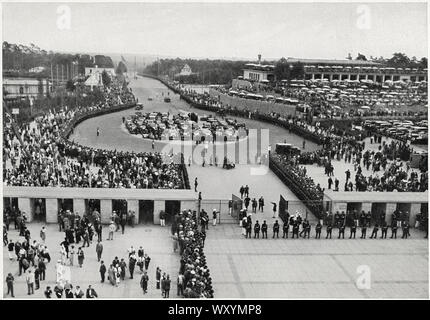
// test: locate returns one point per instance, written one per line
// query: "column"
(415, 209)
(189, 204)
(105, 210)
(349, 76)
(24, 204)
(330, 76)
(391, 207)
(313, 76)
(133, 205)
(366, 207)
(79, 206)
(339, 206)
(158, 206)
(51, 210)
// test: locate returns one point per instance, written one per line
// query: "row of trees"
(204, 70)
(18, 59)
(223, 71)
(398, 60)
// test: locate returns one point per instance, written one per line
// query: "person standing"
(353, 230)
(102, 271)
(131, 264)
(384, 229)
(147, 260)
(393, 231)
(162, 218)
(264, 230)
(274, 209)
(341, 231)
(158, 277)
(91, 293)
(43, 234)
(81, 257)
(261, 204)
(248, 229)
(48, 292)
(37, 278)
(180, 284)
(318, 229)
(285, 229)
(78, 292)
(99, 250)
(195, 184)
(9, 281)
(329, 230)
(112, 229)
(256, 230)
(72, 255)
(167, 283)
(214, 217)
(30, 282)
(374, 232)
(363, 231)
(11, 249)
(144, 282)
(276, 229)
(99, 229)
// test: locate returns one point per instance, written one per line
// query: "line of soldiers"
(305, 231)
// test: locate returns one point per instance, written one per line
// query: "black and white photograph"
(215, 150)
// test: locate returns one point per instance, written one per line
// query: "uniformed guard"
(276, 229)
(382, 218)
(318, 228)
(363, 231)
(256, 230)
(374, 232)
(384, 229)
(362, 218)
(308, 229)
(296, 228)
(353, 230)
(285, 229)
(394, 231)
(248, 229)
(405, 229)
(341, 231)
(368, 218)
(336, 218)
(264, 230)
(329, 229)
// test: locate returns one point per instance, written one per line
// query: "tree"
(361, 57)
(399, 60)
(70, 86)
(282, 69)
(106, 78)
(121, 68)
(423, 63)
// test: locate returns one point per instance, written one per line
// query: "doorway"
(119, 206)
(146, 211)
(65, 204)
(172, 207)
(38, 208)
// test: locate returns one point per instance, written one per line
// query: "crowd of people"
(194, 276)
(48, 158)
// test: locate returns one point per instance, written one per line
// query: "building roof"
(388, 197)
(22, 81)
(344, 62)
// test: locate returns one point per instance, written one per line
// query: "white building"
(92, 70)
(26, 87)
(186, 71)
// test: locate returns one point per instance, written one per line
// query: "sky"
(226, 30)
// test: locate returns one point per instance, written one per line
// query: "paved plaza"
(155, 240)
(310, 268)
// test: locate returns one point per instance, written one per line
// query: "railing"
(313, 204)
(95, 113)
